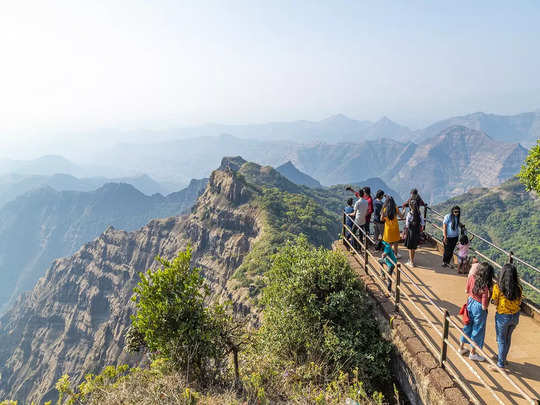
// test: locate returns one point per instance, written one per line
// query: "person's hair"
(414, 192)
(464, 239)
(360, 193)
(367, 190)
(509, 282)
(454, 220)
(350, 201)
(379, 194)
(415, 210)
(390, 208)
(483, 278)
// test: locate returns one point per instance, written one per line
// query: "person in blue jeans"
(479, 292)
(507, 297)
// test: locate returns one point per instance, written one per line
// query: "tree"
(174, 320)
(316, 310)
(530, 171)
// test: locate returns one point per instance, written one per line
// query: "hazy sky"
(70, 66)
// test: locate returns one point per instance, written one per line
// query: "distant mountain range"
(46, 224)
(13, 185)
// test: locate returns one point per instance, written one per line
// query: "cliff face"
(75, 319)
(45, 224)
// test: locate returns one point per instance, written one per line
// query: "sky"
(70, 69)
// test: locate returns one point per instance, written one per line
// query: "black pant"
(356, 230)
(449, 247)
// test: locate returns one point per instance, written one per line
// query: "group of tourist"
(506, 294)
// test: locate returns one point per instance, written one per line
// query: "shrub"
(316, 311)
(174, 320)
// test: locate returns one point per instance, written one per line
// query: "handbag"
(464, 312)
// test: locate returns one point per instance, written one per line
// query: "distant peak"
(287, 165)
(337, 118)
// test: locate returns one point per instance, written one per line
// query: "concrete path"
(447, 289)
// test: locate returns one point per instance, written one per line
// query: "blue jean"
(504, 326)
(476, 329)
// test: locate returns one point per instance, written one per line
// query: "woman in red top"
(478, 290)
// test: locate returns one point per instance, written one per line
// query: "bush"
(316, 311)
(174, 321)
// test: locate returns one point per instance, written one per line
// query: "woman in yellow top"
(389, 215)
(507, 297)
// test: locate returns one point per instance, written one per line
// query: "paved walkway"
(447, 290)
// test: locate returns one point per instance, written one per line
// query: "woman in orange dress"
(389, 215)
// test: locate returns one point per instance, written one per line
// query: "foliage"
(530, 171)
(316, 310)
(173, 319)
(286, 216)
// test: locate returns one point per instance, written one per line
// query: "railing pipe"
(444, 344)
(398, 286)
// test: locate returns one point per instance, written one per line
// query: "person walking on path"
(360, 210)
(414, 223)
(478, 294)
(378, 225)
(507, 297)
(451, 226)
(389, 215)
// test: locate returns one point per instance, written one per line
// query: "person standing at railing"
(348, 221)
(451, 227)
(414, 223)
(378, 225)
(414, 196)
(360, 211)
(507, 297)
(367, 197)
(478, 291)
(389, 215)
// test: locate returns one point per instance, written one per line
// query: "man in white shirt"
(360, 210)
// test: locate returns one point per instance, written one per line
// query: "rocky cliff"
(46, 224)
(75, 319)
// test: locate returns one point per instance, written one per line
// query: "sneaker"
(444, 265)
(398, 256)
(410, 264)
(476, 357)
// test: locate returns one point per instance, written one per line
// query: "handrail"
(493, 262)
(447, 319)
(493, 245)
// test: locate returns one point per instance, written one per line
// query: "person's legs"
(479, 317)
(395, 245)
(411, 255)
(389, 283)
(501, 330)
(449, 249)
(513, 322)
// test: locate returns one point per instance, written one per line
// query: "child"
(389, 258)
(349, 222)
(463, 253)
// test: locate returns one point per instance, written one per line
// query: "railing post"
(425, 211)
(511, 257)
(366, 259)
(444, 345)
(398, 286)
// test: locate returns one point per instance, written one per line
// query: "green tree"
(173, 319)
(316, 310)
(530, 171)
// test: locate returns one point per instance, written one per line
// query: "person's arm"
(444, 232)
(495, 296)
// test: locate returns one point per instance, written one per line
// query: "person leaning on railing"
(349, 222)
(360, 211)
(378, 225)
(507, 297)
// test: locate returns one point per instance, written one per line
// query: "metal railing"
(531, 306)
(358, 244)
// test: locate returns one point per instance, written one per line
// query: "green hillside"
(509, 217)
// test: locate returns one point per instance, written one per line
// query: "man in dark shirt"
(378, 226)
